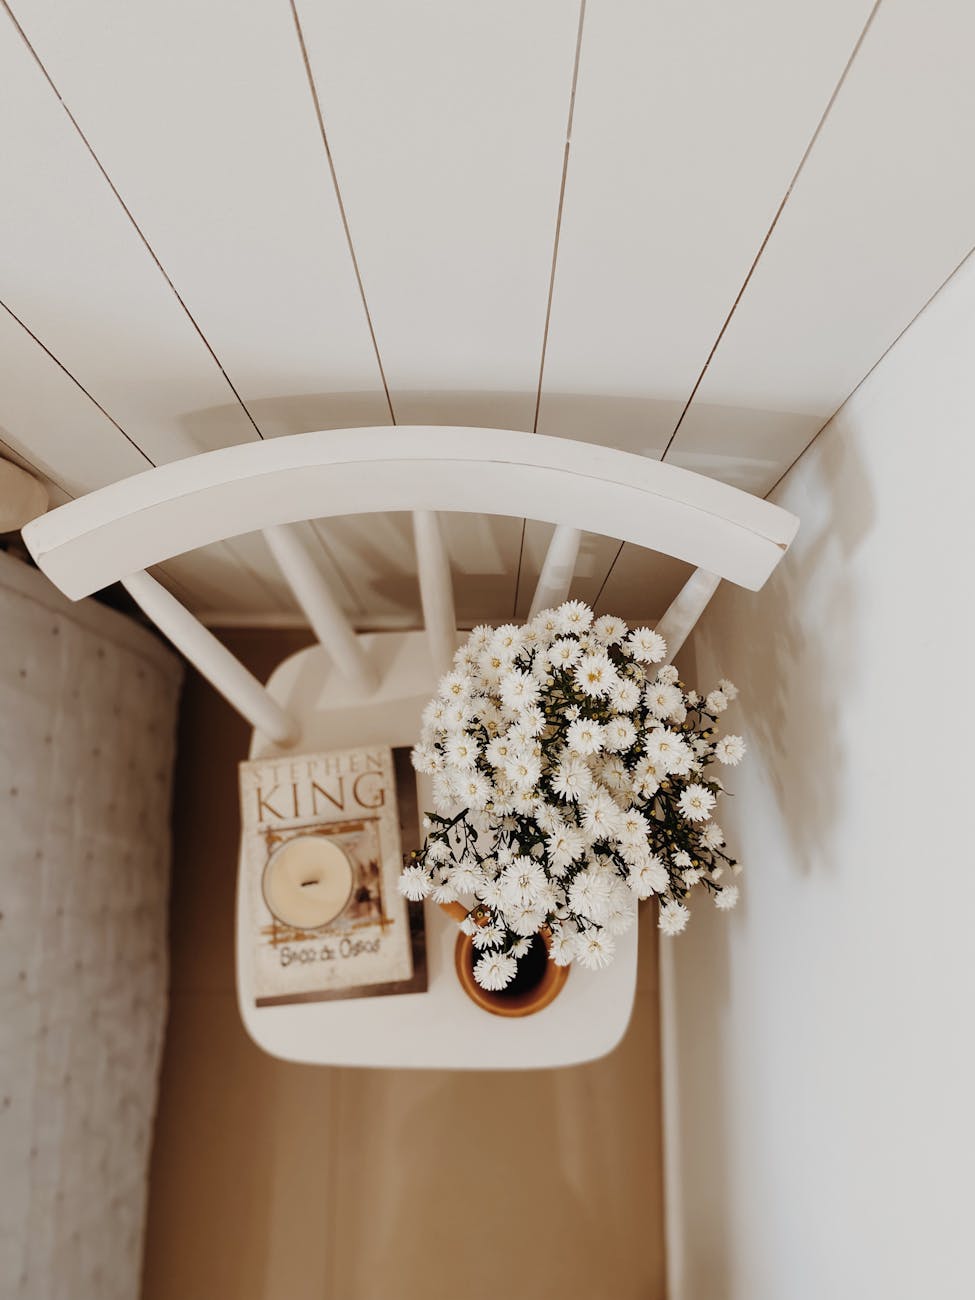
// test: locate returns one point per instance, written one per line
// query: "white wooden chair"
(352, 690)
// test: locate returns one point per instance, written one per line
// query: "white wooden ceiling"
(686, 229)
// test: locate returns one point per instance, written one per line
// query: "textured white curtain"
(87, 729)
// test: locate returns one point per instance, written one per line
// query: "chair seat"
(442, 1028)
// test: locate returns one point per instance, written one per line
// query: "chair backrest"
(117, 532)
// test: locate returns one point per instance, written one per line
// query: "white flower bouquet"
(580, 771)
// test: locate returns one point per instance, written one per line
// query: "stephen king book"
(323, 842)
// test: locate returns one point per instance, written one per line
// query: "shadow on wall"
(785, 649)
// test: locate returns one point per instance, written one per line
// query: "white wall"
(820, 1040)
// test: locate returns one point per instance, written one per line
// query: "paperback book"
(323, 842)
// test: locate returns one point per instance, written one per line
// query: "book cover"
(323, 842)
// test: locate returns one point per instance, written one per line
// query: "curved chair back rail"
(118, 532)
(131, 525)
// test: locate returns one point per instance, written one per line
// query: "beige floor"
(273, 1181)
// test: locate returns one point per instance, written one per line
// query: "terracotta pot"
(520, 1002)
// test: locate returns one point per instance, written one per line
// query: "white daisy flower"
(458, 715)
(521, 948)
(524, 918)
(609, 629)
(633, 827)
(624, 694)
(590, 893)
(600, 816)
(491, 664)
(475, 789)
(455, 686)
(696, 803)
(489, 892)
(730, 750)
(666, 749)
(673, 918)
(531, 721)
(613, 774)
(620, 912)
(563, 845)
(467, 878)
(663, 700)
(726, 898)
(692, 876)
(546, 625)
(445, 794)
(573, 616)
(619, 735)
(584, 736)
(594, 674)
(460, 751)
(594, 949)
(650, 877)
(646, 645)
(521, 882)
(728, 689)
(426, 759)
(495, 970)
(487, 936)
(433, 714)
(716, 702)
(499, 750)
(548, 817)
(647, 776)
(522, 771)
(571, 780)
(518, 689)
(414, 883)
(712, 837)
(480, 635)
(564, 652)
(562, 944)
(507, 640)
(681, 859)
(443, 892)
(668, 674)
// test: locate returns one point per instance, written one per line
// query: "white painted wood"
(689, 122)
(685, 609)
(436, 589)
(881, 215)
(461, 110)
(211, 658)
(49, 422)
(555, 578)
(22, 497)
(77, 274)
(665, 209)
(219, 156)
(324, 612)
(439, 1029)
(124, 369)
(89, 543)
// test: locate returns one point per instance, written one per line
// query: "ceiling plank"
(689, 123)
(218, 156)
(881, 215)
(446, 124)
(686, 132)
(447, 127)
